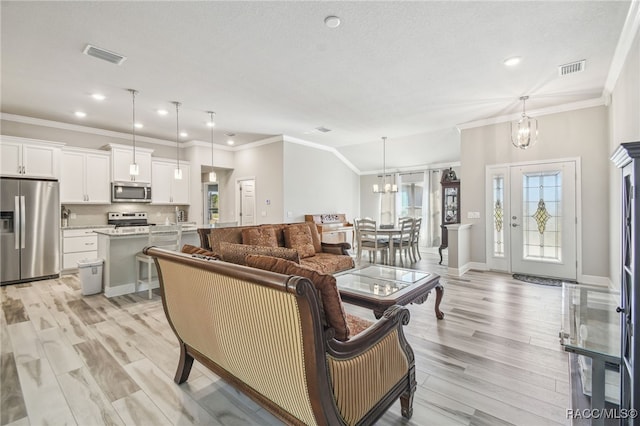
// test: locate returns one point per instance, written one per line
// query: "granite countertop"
(86, 226)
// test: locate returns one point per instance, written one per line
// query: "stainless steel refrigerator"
(29, 230)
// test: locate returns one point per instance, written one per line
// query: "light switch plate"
(473, 215)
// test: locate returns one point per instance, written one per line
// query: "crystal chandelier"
(524, 132)
(384, 187)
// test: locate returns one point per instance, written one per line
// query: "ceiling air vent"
(323, 129)
(571, 68)
(100, 53)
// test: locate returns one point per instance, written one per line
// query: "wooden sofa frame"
(264, 333)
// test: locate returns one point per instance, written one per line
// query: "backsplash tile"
(86, 214)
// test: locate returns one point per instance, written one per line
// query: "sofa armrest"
(382, 349)
(336, 248)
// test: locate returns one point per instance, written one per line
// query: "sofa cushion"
(236, 253)
(189, 249)
(328, 263)
(260, 236)
(298, 237)
(324, 283)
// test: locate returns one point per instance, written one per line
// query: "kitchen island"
(118, 248)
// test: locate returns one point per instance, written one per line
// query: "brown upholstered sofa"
(269, 335)
(282, 240)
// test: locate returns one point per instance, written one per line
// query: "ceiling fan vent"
(323, 129)
(100, 53)
(572, 68)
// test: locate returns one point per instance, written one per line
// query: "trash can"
(90, 271)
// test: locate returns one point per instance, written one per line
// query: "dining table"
(390, 233)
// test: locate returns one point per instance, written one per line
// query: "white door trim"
(492, 169)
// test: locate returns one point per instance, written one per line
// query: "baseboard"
(128, 288)
(595, 280)
(458, 272)
(478, 266)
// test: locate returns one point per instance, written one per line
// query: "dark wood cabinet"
(450, 209)
(627, 158)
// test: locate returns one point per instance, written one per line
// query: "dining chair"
(163, 236)
(402, 242)
(367, 237)
(415, 239)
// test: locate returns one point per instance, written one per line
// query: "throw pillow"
(324, 283)
(299, 237)
(260, 236)
(236, 253)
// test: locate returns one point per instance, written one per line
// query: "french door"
(533, 227)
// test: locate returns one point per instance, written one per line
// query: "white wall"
(624, 117)
(265, 164)
(580, 133)
(316, 181)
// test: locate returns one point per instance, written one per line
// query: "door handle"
(16, 233)
(23, 225)
(514, 225)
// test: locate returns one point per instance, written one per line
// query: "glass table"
(591, 329)
(378, 287)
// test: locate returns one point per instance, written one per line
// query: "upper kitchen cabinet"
(22, 157)
(121, 159)
(85, 176)
(165, 189)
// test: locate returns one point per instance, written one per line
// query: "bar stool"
(163, 236)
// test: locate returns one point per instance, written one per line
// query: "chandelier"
(384, 187)
(524, 132)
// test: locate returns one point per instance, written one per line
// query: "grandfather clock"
(450, 205)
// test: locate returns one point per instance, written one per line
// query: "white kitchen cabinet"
(78, 244)
(121, 159)
(22, 157)
(165, 189)
(85, 177)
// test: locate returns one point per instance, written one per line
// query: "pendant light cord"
(177, 135)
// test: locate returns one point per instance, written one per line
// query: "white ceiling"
(410, 71)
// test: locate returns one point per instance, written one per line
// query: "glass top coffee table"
(378, 287)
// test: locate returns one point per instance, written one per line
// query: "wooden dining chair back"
(415, 239)
(402, 242)
(367, 236)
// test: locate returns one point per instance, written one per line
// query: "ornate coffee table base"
(439, 294)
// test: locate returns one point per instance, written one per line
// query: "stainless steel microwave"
(130, 192)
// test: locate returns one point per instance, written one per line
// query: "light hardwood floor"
(66, 359)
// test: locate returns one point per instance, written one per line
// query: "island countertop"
(129, 231)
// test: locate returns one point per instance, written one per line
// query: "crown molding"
(418, 168)
(589, 103)
(627, 36)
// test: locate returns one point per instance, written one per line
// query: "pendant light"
(133, 167)
(524, 132)
(385, 187)
(213, 177)
(177, 173)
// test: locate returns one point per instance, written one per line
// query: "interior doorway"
(532, 218)
(211, 203)
(246, 196)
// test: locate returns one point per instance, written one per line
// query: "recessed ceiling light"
(163, 112)
(184, 134)
(80, 114)
(230, 136)
(512, 62)
(230, 142)
(332, 21)
(98, 96)
(139, 125)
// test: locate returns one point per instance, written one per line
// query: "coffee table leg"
(439, 294)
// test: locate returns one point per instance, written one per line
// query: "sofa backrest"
(210, 238)
(263, 328)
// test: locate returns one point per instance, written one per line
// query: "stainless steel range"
(128, 219)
